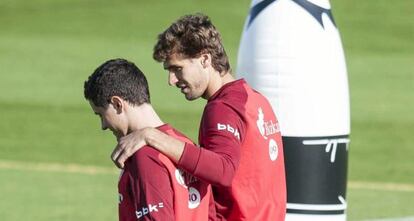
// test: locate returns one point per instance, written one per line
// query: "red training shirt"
(242, 155)
(152, 188)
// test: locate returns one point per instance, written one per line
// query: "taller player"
(242, 151)
(150, 186)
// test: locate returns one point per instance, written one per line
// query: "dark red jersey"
(242, 155)
(152, 188)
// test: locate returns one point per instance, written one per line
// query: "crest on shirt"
(266, 128)
(185, 179)
(194, 198)
(260, 122)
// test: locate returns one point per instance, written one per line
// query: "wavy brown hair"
(190, 36)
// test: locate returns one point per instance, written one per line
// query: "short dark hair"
(191, 36)
(117, 77)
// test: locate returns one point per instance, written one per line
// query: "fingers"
(122, 152)
(115, 156)
(119, 165)
(120, 162)
(126, 147)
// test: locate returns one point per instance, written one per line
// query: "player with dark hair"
(241, 152)
(150, 186)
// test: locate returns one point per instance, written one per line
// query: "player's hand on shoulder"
(127, 146)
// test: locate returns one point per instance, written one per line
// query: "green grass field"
(48, 48)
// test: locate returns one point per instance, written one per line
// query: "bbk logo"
(229, 128)
(147, 210)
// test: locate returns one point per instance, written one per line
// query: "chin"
(191, 97)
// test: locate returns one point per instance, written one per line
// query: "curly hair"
(191, 36)
(117, 77)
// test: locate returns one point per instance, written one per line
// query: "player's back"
(258, 189)
(262, 162)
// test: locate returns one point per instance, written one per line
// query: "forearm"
(217, 168)
(168, 145)
(215, 165)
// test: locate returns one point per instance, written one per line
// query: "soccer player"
(241, 152)
(150, 186)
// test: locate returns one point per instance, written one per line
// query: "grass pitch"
(48, 49)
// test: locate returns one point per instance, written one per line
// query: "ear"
(117, 103)
(205, 60)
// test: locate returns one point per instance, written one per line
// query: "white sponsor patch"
(194, 198)
(273, 150)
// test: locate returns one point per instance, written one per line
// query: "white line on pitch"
(56, 167)
(381, 186)
(84, 169)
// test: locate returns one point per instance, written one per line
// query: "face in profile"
(112, 118)
(187, 74)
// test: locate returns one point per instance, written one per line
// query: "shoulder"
(222, 111)
(178, 135)
(232, 97)
(147, 160)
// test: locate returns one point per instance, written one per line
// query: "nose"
(172, 78)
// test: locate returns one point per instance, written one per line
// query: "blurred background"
(54, 159)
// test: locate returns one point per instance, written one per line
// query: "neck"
(143, 116)
(217, 81)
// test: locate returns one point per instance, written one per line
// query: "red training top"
(152, 188)
(242, 155)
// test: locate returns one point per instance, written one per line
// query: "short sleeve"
(152, 189)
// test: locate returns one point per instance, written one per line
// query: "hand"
(127, 146)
